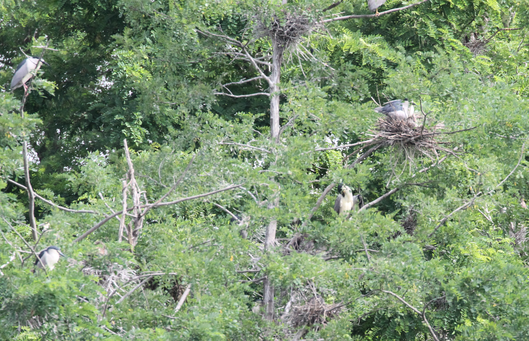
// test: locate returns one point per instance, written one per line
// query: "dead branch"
(155, 205)
(360, 16)
(242, 96)
(245, 146)
(133, 289)
(25, 242)
(52, 203)
(366, 206)
(432, 332)
(343, 146)
(123, 211)
(182, 299)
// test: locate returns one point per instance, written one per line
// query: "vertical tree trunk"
(275, 79)
(270, 239)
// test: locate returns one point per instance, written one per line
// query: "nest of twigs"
(408, 137)
(314, 312)
(285, 29)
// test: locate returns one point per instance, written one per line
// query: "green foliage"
(449, 243)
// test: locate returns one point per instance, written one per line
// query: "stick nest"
(286, 29)
(408, 136)
(313, 312)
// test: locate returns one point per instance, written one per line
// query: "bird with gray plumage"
(49, 257)
(346, 201)
(24, 72)
(374, 5)
(395, 109)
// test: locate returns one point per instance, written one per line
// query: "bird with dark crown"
(346, 201)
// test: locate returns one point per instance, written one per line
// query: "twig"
(365, 249)
(254, 280)
(110, 208)
(343, 146)
(359, 16)
(462, 207)
(227, 211)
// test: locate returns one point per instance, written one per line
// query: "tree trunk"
(275, 78)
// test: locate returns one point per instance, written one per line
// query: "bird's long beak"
(62, 254)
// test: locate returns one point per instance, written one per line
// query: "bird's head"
(41, 60)
(58, 250)
(343, 189)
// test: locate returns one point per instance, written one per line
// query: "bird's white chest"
(347, 203)
(49, 259)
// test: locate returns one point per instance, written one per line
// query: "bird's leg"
(376, 13)
(25, 88)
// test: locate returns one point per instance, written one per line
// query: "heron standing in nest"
(346, 201)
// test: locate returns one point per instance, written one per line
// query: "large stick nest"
(286, 29)
(313, 312)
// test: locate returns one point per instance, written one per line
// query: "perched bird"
(49, 257)
(395, 109)
(24, 70)
(375, 4)
(346, 201)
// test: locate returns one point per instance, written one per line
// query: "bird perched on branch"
(49, 257)
(346, 201)
(374, 5)
(24, 70)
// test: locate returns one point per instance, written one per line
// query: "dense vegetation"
(185, 155)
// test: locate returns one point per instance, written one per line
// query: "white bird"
(346, 201)
(24, 70)
(49, 257)
(395, 109)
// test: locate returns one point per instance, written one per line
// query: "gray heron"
(374, 5)
(395, 109)
(24, 72)
(346, 201)
(49, 257)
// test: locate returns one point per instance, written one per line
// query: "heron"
(374, 5)
(395, 109)
(24, 72)
(346, 201)
(49, 257)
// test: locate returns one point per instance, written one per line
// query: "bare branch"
(104, 221)
(25, 242)
(432, 332)
(242, 96)
(227, 211)
(245, 146)
(376, 201)
(243, 81)
(133, 289)
(462, 207)
(50, 202)
(343, 146)
(182, 298)
(110, 208)
(360, 16)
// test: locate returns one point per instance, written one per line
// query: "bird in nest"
(346, 201)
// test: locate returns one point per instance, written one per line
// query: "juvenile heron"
(23, 73)
(375, 4)
(49, 257)
(395, 109)
(346, 201)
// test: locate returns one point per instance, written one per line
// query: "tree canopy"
(186, 155)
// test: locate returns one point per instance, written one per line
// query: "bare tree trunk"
(275, 79)
(31, 194)
(134, 231)
(270, 239)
